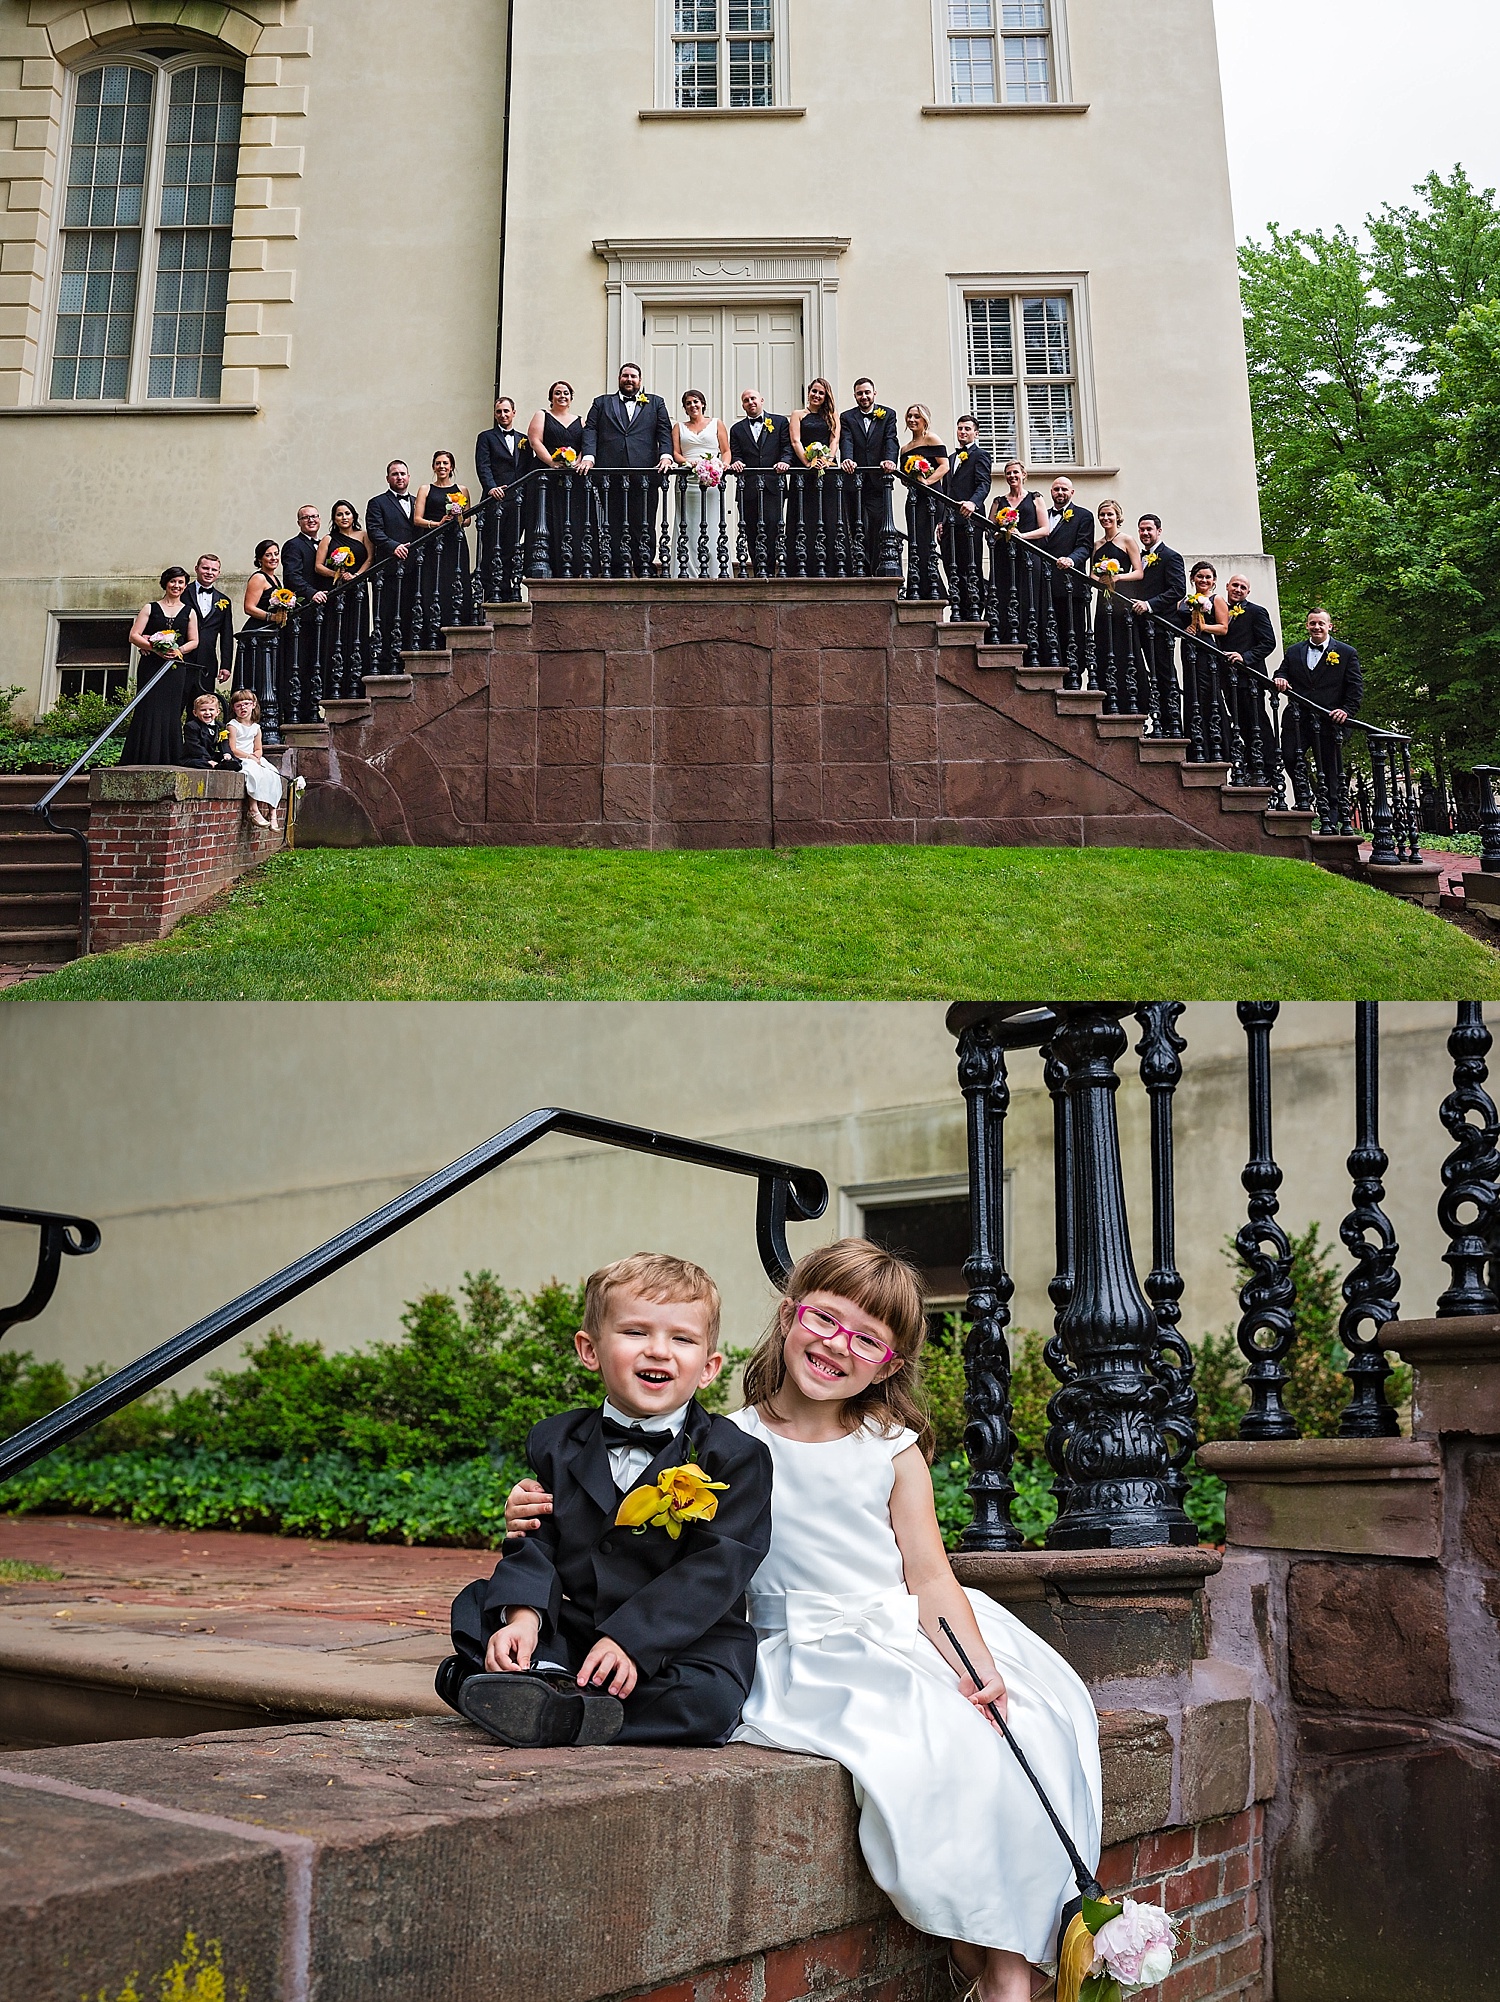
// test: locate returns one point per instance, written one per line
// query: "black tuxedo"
(1253, 637)
(298, 554)
(968, 476)
(967, 479)
(1074, 537)
(215, 644)
(1162, 589)
(629, 511)
(762, 501)
(869, 444)
(1338, 681)
(1165, 583)
(676, 1608)
(206, 746)
(389, 527)
(500, 459)
(1071, 537)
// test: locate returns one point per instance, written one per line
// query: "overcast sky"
(1336, 106)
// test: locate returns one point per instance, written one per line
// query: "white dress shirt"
(628, 1463)
(1314, 657)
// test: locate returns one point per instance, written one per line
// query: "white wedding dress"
(950, 1827)
(262, 780)
(700, 505)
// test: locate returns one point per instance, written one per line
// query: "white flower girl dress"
(950, 1828)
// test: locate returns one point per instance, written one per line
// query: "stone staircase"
(639, 713)
(41, 873)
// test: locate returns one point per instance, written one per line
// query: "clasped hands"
(513, 1646)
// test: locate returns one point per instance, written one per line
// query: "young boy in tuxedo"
(622, 1615)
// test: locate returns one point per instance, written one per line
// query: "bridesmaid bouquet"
(165, 644)
(919, 466)
(710, 473)
(1007, 518)
(281, 602)
(1109, 569)
(458, 500)
(1115, 1950)
(817, 456)
(341, 559)
(565, 456)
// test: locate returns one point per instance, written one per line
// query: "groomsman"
(1163, 590)
(1070, 539)
(215, 650)
(868, 436)
(760, 443)
(629, 430)
(388, 522)
(500, 458)
(1328, 672)
(1250, 643)
(298, 554)
(967, 481)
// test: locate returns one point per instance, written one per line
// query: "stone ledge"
(1457, 1364)
(711, 590)
(149, 783)
(1356, 1497)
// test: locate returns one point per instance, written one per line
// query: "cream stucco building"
(214, 1145)
(252, 250)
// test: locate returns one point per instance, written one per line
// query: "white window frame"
(1062, 69)
(666, 65)
(1072, 286)
(151, 229)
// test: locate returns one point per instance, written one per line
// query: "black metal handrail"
(60, 1237)
(784, 1193)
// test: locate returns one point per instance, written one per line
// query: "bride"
(698, 437)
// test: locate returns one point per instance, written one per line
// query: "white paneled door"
(722, 350)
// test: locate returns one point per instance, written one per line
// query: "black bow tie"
(616, 1434)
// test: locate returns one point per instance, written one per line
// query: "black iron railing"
(784, 1194)
(59, 1237)
(1122, 1422)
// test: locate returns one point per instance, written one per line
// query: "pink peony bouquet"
(710, 473)
(1133, 1947)
(165, 644)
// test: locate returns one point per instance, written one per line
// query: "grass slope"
(416, 924)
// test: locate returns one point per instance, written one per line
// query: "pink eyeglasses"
(862, 1347)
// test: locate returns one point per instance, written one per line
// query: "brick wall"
(884, 1961)
(161, 843)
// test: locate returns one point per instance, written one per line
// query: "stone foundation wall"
(162, 841)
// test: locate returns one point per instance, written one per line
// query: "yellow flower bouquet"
(565, 456)
(341, 559)
(1108, 569)
(917, 465)
(1008, 518)
(678, 1495)
(817, 456)
(458, 500)
(281, 602)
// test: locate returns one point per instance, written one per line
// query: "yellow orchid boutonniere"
(643, 397)
(1333, 660)
(221, 605)
(1067, 514)
(961, 457)
(881, 411)
(1236, 611)
(678, 1495)
(1152, 558)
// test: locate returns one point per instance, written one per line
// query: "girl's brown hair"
(246, 695)
(887, 1289)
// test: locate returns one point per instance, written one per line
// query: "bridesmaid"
(346, 623)
(1114, 626)
(551, 435)
(155, 733)
(816, 423)
(444, 583)
(1030, 526)
(1206, 623)
(922, 444)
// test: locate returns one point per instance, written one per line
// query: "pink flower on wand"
(1135, 1948)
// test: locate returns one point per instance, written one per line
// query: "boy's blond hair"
(654, 1275)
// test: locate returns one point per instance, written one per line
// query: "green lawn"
(463, 924)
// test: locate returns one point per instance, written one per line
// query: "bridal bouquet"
(281, 602)
(710, 473)
(817, 457)
(1118, 1949)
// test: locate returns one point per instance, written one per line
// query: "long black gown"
(445, 581)
(1114, 638)
(155, 733)
(567, 500)
(1016, 623)
(804, 558)
(346, 625)
(921, 519)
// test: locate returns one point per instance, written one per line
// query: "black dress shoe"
(450, 1678)
(525, 1709)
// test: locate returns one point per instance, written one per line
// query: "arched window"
(147, 219)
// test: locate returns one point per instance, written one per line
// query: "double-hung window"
(1023, 376)
(723, 54)
(1000, 52)
(147, 221)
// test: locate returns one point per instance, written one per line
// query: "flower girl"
(852, 1663)
(262, 780)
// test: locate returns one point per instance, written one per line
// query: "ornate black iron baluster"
(842, 567)
(606, 532)
(1173, 697)
(743, 561)
(1192, 689)
(1371, 1288)
(820, 532)
(676, 490)
(1088, 665)
(384, 590)
(1489, 820)
(588, 498)
(1268, 1297)
(1071, 676)
(860, 564)
(1060, 1285)
(1213, 735)
(1160, 1051)
(1041, 583)
(315, 668)
(988, 1438)
(721, 551)
(890, 535)
(1013, 633)
(1383, 850)
(336, 658)
(291, 661)
(1123, 640)
(654, 488)
(270, 695)
(781, 536)
(567, 484)
(1469, 1208)
(1303, 798)
(1277, 771)
(948, 526)
(703, 557)
(539, 542)
(989, 584)
(1109, 1412)
(1339, 782)
(1239, 773)
(1108, 673)
(799, 540)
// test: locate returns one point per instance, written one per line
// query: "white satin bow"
(888, 1618)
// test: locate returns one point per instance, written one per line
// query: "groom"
(633, 431)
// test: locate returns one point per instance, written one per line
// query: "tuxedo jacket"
(968, 475)
(1338, 682)
(207, 745)
(500, 458)
(872, 447)
(610, 441)
(657, 1598)
(215, 644)
(1165, 584)
(298, 554)
(1073, 538)
(768, 448)
(1251, 634)
(388, 523)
